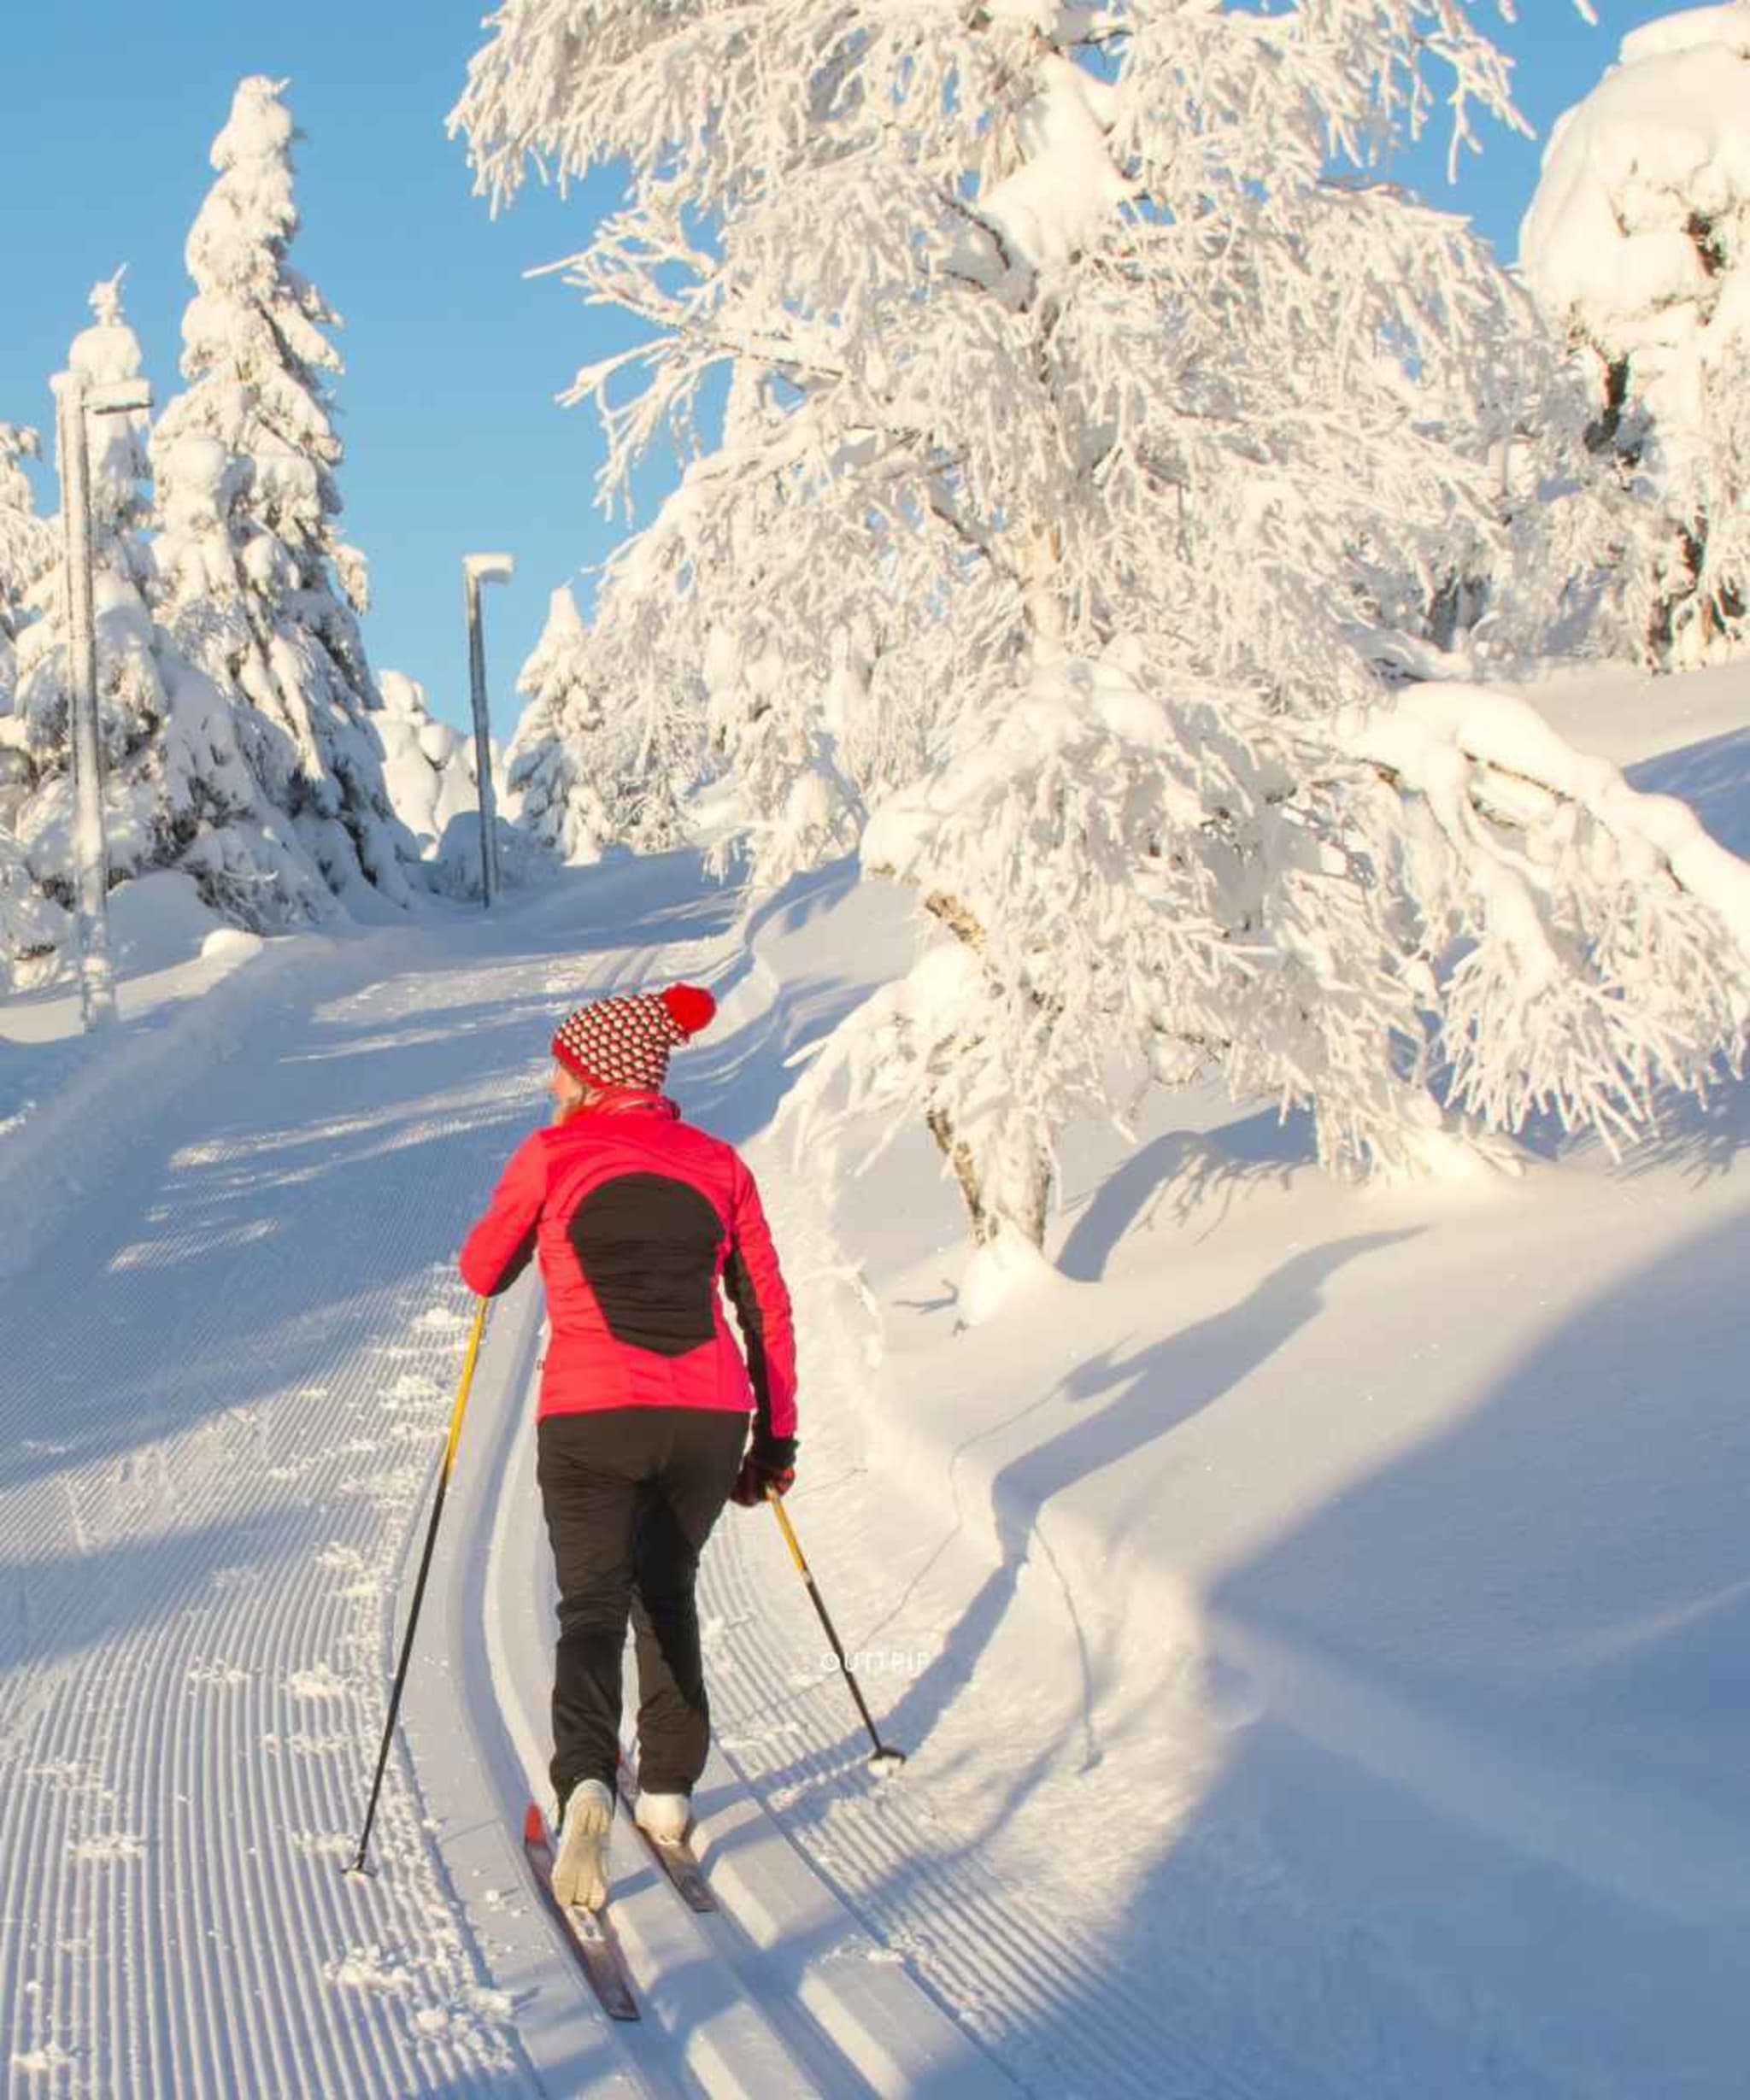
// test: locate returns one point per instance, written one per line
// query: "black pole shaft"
(407, 1650)
(882, 1750)
(843, 1663)
(456, 1415)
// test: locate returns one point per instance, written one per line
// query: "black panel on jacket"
(521, 1255)
(648, 1247)
(746, 1300)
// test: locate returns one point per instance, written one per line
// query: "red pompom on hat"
(690, 1008)
(625, 1041)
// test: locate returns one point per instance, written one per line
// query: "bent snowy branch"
(1592, 942)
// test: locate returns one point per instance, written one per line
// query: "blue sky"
(107, 113)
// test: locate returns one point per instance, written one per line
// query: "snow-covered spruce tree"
(177, 792)
(31, 926)
(26, 545)
(428, 767)
(589, 770)
(1638, 242)
(256, 584)
(1064, 372)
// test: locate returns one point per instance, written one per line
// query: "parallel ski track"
(522, 1638)
(1030, 1986)
(175, 1801)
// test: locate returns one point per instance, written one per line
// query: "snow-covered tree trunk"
(255, 582)
(1061, 363)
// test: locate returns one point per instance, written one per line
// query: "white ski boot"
(664, 1817)
(580, 1872)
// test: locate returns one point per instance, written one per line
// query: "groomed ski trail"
(228, 1370)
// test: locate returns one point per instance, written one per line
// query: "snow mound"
(1006, 1268)
(158, 920)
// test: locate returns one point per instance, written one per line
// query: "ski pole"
(886, 1759)
(412, 1617)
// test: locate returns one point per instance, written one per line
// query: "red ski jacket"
(636, 1217)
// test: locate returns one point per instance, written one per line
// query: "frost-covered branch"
(1593, 942)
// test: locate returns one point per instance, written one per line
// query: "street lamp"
(75, 398)
(478, 569)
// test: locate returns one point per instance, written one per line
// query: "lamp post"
(75, 398)
(478, 569)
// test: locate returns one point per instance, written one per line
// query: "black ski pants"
(630, 1494)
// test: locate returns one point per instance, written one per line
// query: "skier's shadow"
(1160, 1388)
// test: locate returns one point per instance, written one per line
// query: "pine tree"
(1638, 242)
(586, 771)
(256, 584)
(428, 767)
(1081, 420)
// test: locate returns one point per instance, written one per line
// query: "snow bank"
(94, 1097)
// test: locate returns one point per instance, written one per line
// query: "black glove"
(771, 1463)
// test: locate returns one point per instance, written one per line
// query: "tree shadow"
(1713, 777)
(224, 1265)
(60, 1604)
(1482, 1827)
(1701, 1139)
(1154, 1392)
(1186, 1173)
(1493, 1832)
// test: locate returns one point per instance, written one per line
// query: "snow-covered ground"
(1315, 1615)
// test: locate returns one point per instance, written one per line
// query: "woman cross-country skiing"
(636, 1217)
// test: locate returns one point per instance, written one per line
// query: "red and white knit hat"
(626, 1041)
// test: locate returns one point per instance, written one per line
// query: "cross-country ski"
(672, 1849)
(588, 1933)
(874, 1052)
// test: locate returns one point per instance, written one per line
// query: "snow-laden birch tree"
(588, 767)
(1088, 439)
(256, 584)
(1638, 242)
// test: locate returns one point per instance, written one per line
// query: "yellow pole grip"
(467, 1379)
(790, 1537)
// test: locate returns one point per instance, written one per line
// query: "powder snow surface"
(1317, 1613)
